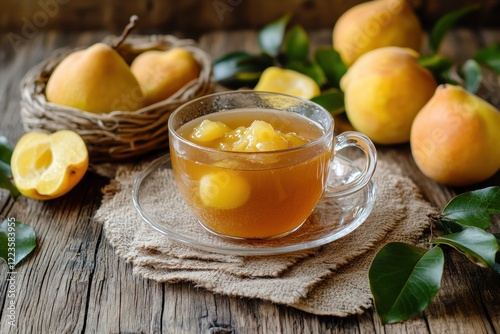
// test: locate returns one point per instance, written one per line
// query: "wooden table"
(74, 282)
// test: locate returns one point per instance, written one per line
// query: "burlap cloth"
(329, 280)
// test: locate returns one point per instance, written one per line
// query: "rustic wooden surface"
(74, 282)
(25, 16)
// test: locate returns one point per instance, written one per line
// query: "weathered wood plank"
(53, 283)
(119, 302)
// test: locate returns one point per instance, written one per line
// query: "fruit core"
(43, 158)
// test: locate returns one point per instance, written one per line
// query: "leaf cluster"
(286, 48)
(404, 278)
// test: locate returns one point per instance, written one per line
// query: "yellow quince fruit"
(376, 24)
(279, 80)
(46, 166)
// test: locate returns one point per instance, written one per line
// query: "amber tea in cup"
(253, 165)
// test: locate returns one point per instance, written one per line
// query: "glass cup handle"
(361, 141)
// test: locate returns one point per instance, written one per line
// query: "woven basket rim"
(119, 134)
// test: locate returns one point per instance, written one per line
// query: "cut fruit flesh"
(48, 166)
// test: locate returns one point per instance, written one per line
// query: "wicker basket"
(119, 134)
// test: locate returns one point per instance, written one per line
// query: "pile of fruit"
(388, 90)
(392, 98)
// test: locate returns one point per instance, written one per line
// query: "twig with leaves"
(404, 279)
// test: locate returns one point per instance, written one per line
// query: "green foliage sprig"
(445, 23)
(286, 48)
(15, 237)
(404, 279)
(17, 240)
(470, 73)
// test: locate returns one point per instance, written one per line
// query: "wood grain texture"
(27, 17)
(75, 283)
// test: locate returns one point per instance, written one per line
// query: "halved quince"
(46, 166)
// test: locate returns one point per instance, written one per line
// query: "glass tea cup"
(262, 194)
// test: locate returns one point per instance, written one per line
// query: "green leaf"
(489, 57)
(450, 77)
(472, 74)
(478, 245)
(5, 155)
(445, 23)
(404, 279)
(17, 240)
(474, 208)
(5, 168)
(448, 226)
(5, 150)
(271, 36)
(248, 77)
(230, 64)
(439, 66)
(6, 183)
(331, 63)
(332, 100)
(239, 69)
(296, 45)
(435, 63)
(308, 68)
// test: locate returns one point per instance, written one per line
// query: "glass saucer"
(330, 220)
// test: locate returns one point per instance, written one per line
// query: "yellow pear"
(455, 138)
(384, 90)
(376, 24)
(162, 73)
(96, 79)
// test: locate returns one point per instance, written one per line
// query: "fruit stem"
(126, 31)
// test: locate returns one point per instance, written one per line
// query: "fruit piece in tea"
(223, 189)
(259, 136)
